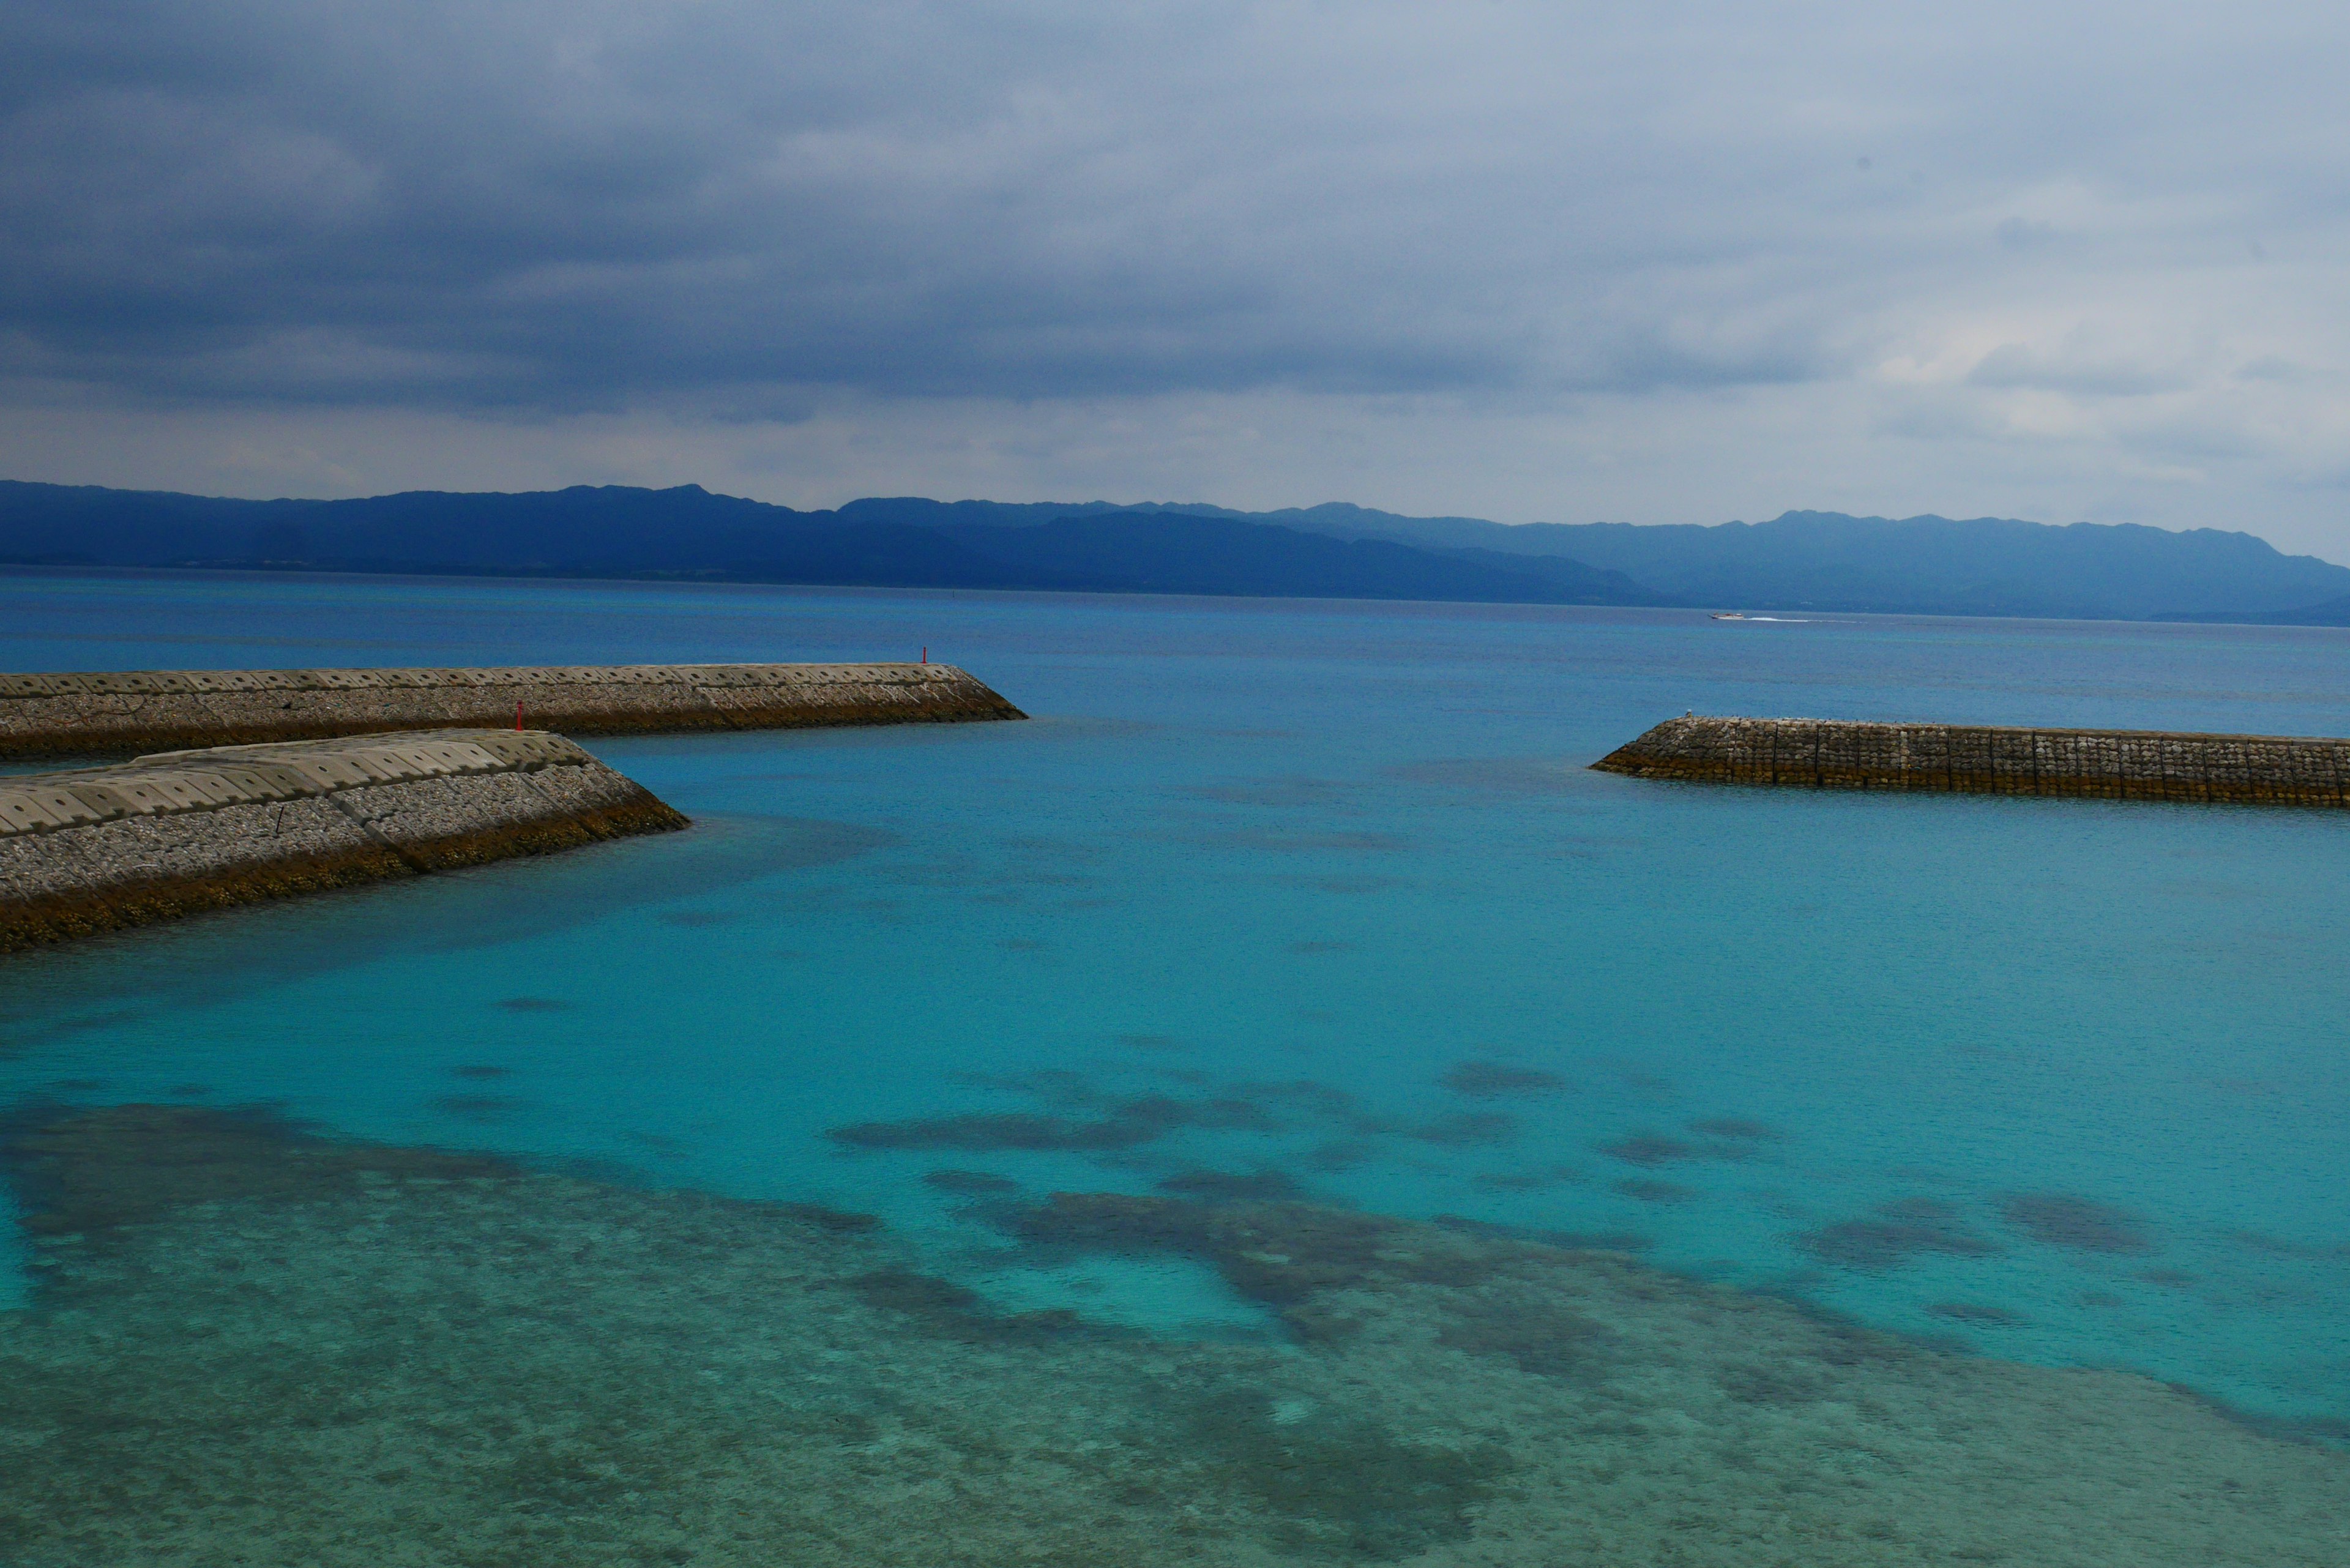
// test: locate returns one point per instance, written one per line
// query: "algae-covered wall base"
(68, 716)
(102, 848)
(2109, 764)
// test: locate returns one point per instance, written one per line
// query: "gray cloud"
(2013, 230)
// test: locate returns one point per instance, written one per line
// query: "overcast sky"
(1657, 262)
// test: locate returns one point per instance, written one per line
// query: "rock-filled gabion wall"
(71, 716)
(102, 849)
(2111, 764)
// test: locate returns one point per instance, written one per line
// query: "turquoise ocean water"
(1319, 897)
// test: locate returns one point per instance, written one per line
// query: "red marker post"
(518, 713)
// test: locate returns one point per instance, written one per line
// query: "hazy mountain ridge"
(689, 532)
(1801, 560)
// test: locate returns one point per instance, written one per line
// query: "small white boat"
(1728, 614)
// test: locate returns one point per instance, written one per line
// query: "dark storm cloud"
(590, 203)
(581, 203)
(727, 208)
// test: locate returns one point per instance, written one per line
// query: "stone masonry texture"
(69, 716)
(99, 850)
(2110, 764)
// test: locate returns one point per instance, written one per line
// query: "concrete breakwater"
(102, 849)
(2111, 764)
(71, 715)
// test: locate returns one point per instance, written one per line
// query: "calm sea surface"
(2067, 1082)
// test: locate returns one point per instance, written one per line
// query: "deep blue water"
(1263, 874)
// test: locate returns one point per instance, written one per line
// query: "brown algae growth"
(251, 1345)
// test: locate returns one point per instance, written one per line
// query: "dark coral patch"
(1489, 1080)
(1737, 1130)
(1126, 1124)
(1231, 1185)
(1304, 1097)
(89, 1172)
(1650, 1148)
(1254, 1251)
(1281, 1254)
(1896, 1233)
(831, 1221)
(2078, 1224)
(1536, 1331)
(1568, 1241)
(985, 1130)
(1224, 1113)
(950, 1311)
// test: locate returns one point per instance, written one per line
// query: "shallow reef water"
(253, 1345)
(1274, 1106)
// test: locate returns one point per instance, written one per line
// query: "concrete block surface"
(1974, 759)
(62, 716)
(178, 831)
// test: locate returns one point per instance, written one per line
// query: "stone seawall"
(2109, 764)
(68, 716)
(102, 849)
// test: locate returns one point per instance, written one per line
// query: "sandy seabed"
(253, 1347)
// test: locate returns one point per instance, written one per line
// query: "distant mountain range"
(1801, 561)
